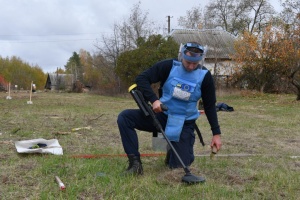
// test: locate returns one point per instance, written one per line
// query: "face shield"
(192, 52)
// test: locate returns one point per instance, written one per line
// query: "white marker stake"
(60, 183)
(8, 97)
(30, 102)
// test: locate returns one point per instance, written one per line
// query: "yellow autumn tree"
(20, 73)
(263, 61)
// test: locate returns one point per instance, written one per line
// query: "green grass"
(255, 162)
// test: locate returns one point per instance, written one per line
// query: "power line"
(58, 34)
(45, 41)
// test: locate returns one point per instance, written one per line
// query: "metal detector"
(146, 108)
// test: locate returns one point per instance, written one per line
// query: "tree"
(263, 13)
(237, 16)
(251, 61)
(266, 61)
(131, 63)
(60, 71)
(74, 67)
(192, 20)
(103, 77)
(220, 14)
(126, 36)
(138, 26)
(20, 73)
(86, 61)
(291, 25)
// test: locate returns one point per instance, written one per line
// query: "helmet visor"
(189, 54)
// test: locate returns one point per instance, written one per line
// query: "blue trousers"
(131, 119)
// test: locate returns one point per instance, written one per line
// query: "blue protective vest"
(181, 92)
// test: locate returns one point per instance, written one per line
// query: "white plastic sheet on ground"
(53, 147)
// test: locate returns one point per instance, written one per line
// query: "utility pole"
(169, 23)
(217, 56)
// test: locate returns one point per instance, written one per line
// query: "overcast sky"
(47, 32)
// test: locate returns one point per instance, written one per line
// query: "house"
(59, 81)
(219, 45)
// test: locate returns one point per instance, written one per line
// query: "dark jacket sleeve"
(159, 72)
(209, 102)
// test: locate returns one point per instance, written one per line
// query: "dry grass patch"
(263, 128)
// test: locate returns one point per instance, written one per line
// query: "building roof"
(220, 43)
(58, 80)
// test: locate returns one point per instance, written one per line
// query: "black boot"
(135, 165)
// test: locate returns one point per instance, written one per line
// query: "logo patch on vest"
(178, 93)
(182, 89)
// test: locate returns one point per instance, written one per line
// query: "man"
(183, 82)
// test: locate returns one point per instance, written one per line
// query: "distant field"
(260, 157)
